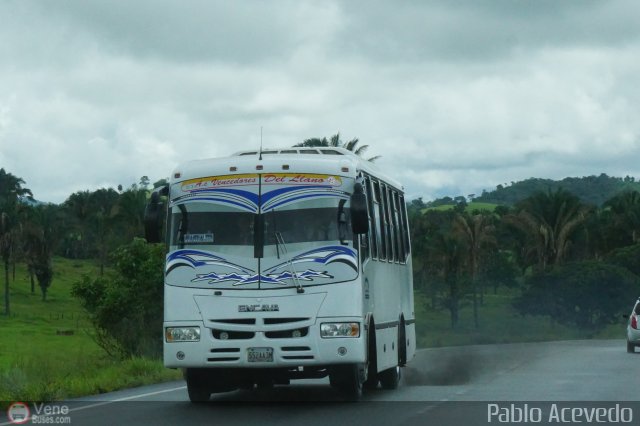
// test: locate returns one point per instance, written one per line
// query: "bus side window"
(405, 228)
(373, 231)
(397, 242)
(365, 239)
(380, 223)
(388, 231)
(401, 228)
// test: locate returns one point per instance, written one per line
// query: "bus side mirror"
(359, 216)
(153, 215)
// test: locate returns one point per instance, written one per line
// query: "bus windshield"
(224, 229)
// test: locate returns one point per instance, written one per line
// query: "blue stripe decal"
(243, 276)
(251, 202)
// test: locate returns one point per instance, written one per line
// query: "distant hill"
(593, 190)
(31, 202)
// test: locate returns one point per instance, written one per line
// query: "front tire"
(349, 380)
(372, 360)
(197, 387)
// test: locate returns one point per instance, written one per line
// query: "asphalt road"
(445, 386)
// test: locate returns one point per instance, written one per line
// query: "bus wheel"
(402, 344)
(197, 388)
(390, 378)
(348, 379)
(372, 364)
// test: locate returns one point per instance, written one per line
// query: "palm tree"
(11, 191)
(129, 212)
(40, 235)
(549, 220)
(444, 258)
(478, 233)
(624, 211)
(79, 207)
(445, 251)
(335, 141)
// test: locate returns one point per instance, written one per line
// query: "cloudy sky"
(457, 96)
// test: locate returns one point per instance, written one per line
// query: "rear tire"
(631, 348)
(390, 378)
(402, 344)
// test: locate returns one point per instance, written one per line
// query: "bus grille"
(224, 354)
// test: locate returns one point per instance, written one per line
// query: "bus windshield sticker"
(219, 181)
(198, 238)
(301, 179)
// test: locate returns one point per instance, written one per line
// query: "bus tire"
(348, 379)
(390, 378)
(372, 360)
(197, 388)
(402, 344)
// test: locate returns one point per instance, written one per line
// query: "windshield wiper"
(276, 233)
(292, 271)
(280, 241)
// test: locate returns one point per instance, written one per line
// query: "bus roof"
(321, 160)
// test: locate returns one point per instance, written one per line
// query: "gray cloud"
(483, 31)
(456, 96)
(198, 31)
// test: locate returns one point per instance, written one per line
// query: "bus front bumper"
(259, 349)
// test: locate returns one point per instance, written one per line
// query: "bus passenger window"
(381, 221)
(373, 233)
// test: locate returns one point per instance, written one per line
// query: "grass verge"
(46, 348)
(498, 322)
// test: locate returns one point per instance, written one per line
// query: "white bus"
(285, 264)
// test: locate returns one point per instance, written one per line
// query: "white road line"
(99, 404)
(128, 398)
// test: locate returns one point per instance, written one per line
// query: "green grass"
(469, 208)
(498, 321)
(39, 362)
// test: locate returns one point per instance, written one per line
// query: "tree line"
(573, 261)
(87, 225)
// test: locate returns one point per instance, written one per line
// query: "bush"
(125, 306)
(626, 257)
(588, 295)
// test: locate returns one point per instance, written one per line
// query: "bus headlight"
(339, 329)
(182, 334)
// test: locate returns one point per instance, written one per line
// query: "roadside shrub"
(626, 257)
(588, 295)
(125, 306)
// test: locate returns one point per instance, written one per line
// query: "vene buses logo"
(258, 308)
(18, 413)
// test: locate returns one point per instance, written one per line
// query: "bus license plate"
(260, 354)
